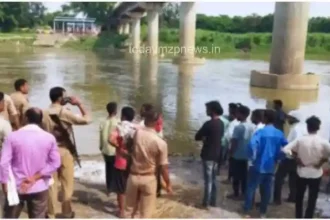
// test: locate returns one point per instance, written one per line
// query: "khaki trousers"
(65, 177)
(141, 195)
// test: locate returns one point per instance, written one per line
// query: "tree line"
(15, 15)
(238, 24)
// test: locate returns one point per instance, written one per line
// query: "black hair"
(244, 110)
(2, 96)
(151, 117)
(232, 106)
(128, 113)
(258, 114)
(19, 83)
(55, 93)
(269, 116)
(313, 124)
(214, 107)
(112, 108)
(33, 116)
(147, 107)
(278, 103)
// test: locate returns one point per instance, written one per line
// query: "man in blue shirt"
(265, 150)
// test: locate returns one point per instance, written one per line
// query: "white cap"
(297, 115)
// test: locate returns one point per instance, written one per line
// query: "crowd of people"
(258, 152)
(38, 153)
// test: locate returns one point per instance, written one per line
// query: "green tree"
(98, 10)
(170, 15)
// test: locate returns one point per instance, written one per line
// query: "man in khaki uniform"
(9, 112)
(149, 152)
(20, 99)
(65, 174)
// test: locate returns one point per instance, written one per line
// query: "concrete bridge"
(288, 40)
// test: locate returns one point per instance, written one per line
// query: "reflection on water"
(179, 91)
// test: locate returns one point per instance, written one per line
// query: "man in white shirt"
(233, 122)
(289, 166)
(5, 129)
(257, 119)
(310, 152)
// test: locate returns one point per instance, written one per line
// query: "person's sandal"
(71, 216)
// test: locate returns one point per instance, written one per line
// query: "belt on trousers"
(142, 174)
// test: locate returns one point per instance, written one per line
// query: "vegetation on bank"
(103, 41)
(219, 45)
(17, 38)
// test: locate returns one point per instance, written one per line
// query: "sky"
(235, 8)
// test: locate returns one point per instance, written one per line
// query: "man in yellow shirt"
(106, 128)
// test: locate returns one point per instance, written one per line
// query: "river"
(179, 91)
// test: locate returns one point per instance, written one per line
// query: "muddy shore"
(91, 201)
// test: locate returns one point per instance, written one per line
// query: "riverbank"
(22, 38)
(186, 177)
(91, 201)
(211, 44)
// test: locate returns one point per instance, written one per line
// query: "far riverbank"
(254, 46)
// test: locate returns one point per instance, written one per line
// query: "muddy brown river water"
(179, 91)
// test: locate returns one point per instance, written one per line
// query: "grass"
(211, 44)
(103, 41)
(22, 38)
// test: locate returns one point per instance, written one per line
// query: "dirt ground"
(91, 201)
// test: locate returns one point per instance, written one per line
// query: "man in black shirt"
(280, 115)
(211, 134)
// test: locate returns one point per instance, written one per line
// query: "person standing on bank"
(239, 152)
(5, 127)
(233, 122)
(59, 122)
(264, 153)
(121, 138)
(10, 113)
(257, 118)
(211, 134)
(19, 153)
(20, 98)
(149, 151)
(146, 107)
(280, 115)
(108, 150)
(288, 166)
(310, 151)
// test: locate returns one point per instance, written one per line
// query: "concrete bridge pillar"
(120, 29)
(289, 37)
(136, 32)
(187, 34)
(288, 50)
(153, 27)
(187, 29)
(126, 28)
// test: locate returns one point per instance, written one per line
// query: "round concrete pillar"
(153, 30)
(187, 29)
(120, 29)
(136, 30)
(126, 28)
(289, 38)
